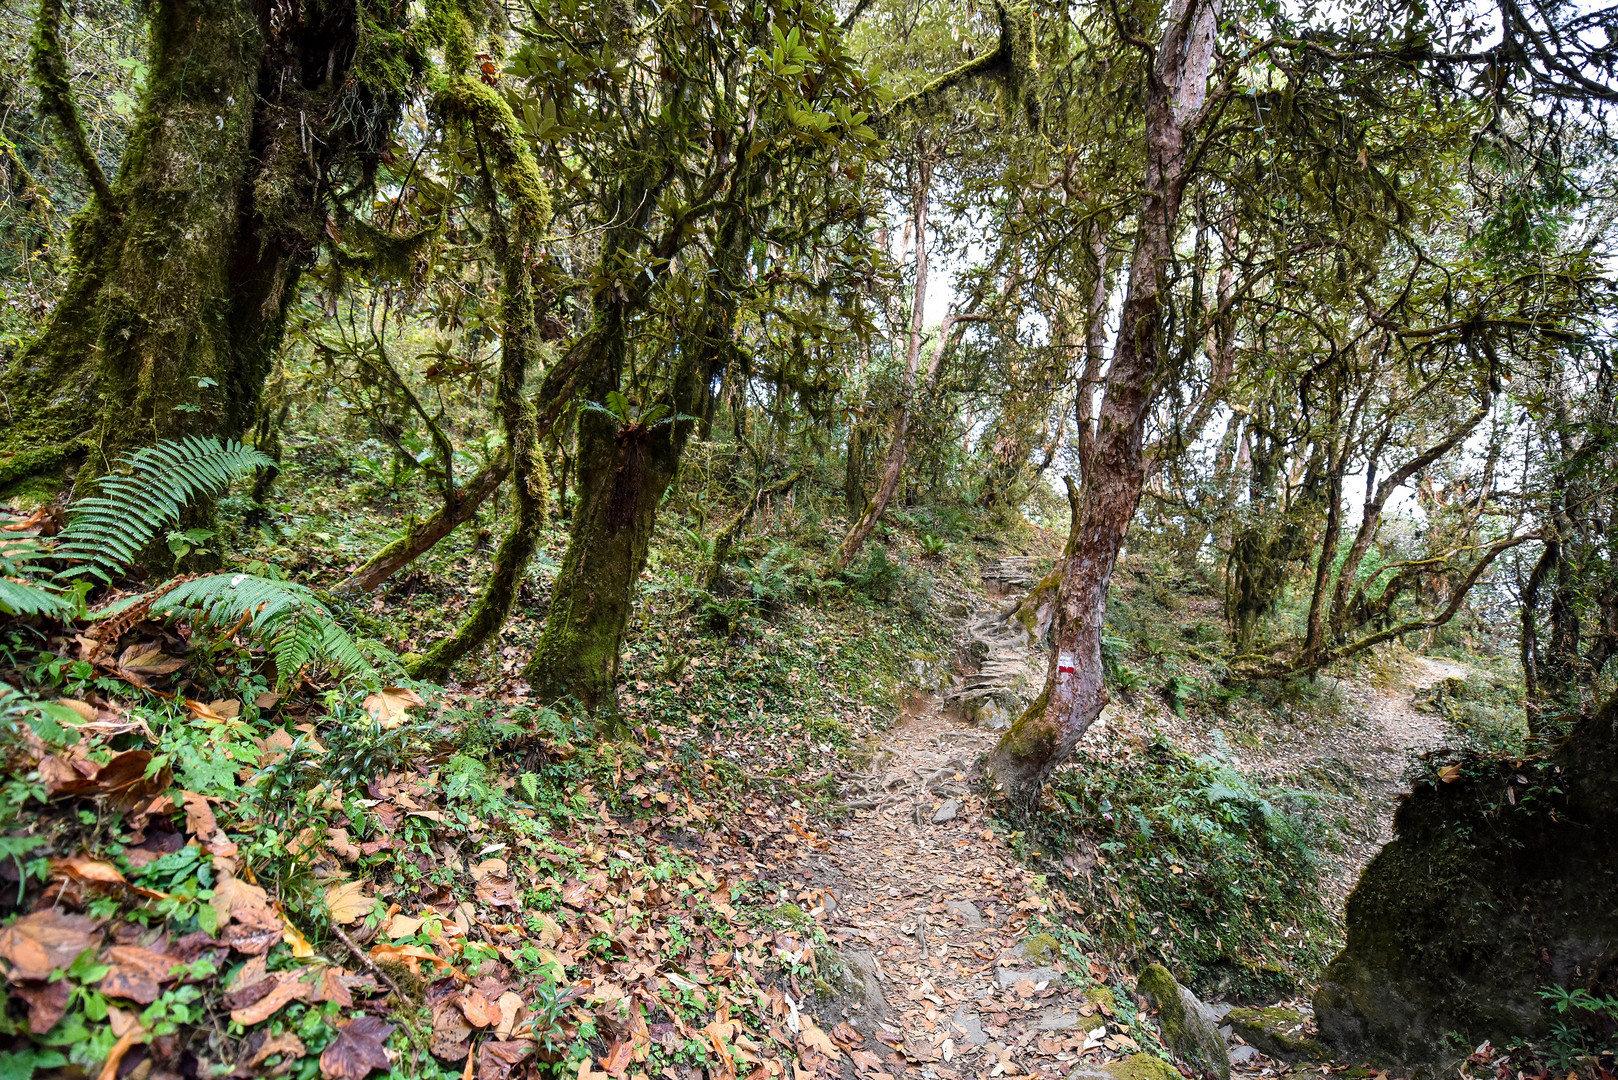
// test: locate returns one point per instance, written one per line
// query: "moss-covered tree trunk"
(624, 469)
(187, 260)
(623, 473)
(509, 169)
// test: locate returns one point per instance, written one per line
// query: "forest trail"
(933, 904)
(1396, 730)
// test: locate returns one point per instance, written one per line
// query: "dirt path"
(1393, 730)
(932, 905)
(940, 909)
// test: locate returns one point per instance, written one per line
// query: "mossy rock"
(1189, 1027)
(1497, 882)
(1141, 1067)
(1042, 949)
(1133, 1067)
(1102, 998)
(1278, 1032)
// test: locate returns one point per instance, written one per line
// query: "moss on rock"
(1498, 882)
(1188, 1026)
(1042, 949)
(1280, 1033)
(1141, 1067)
(1133, 1067)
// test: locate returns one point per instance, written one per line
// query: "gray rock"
(1189, 1027)
(1279, 1032)
(971, 1028)
(856, 990)
(969, 914)
(946, 811)
(1242, 1055)
(1057, 1020)
(1009, 977)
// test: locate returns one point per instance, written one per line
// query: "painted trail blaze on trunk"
(1075, 682)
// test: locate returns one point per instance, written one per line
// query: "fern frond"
(296, 628)
(106, 532)
(19, 597)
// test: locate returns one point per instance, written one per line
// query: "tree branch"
(56, 94)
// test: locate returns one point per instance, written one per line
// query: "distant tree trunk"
(899, 441)
(854, 470)
(733, 530)
(187, 261)
(1075, 688)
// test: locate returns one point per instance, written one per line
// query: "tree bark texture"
(187, 260)
(624, 469)
(508, 169)
(1075, 687)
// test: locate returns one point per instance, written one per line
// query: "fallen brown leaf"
(288, 1045)
(137, 974)
(390, 706)
(357, 1050)
(47, 1002)
(348, 903)
(115, 1057)
(145, 659)
(38, 944)
(288, 988)
(88, 871)
(199, 819)
(479, 1011)
(617, 1059)
(496, 1059)
(329, 986)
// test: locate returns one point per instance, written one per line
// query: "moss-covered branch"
(507, 167)
(1012, 61)
(55, 85)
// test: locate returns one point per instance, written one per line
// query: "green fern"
(28, 598)
(105, 533)
(294, 625)
(21, 590)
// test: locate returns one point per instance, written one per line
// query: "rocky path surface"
(937, 910)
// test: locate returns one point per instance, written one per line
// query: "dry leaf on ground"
(288, 1045)
(47, 1002)
(88, 871)
(357, 1050)
(288, 988)
(38, 944)
(390, 706)
(348, 903)
(496, 1059)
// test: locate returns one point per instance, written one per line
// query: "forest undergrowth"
(313, 879)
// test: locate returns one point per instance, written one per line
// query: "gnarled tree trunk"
(1075, 688)
(188, 259)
